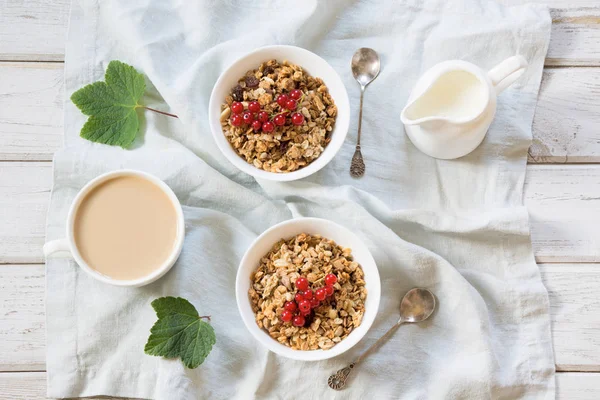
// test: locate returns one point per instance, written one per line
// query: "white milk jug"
(453, 104)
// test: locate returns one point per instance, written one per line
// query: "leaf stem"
(160, 112)
(205, 316)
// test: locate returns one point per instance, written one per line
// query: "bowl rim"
(339, 133)
(374, 297)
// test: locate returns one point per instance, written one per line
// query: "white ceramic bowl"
(343, 237)
(312, 64)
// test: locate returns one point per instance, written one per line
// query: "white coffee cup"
(67, 247)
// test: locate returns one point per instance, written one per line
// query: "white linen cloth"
(456, 227)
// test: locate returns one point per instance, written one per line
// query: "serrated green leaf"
(127, 83)
(200, 339)
(112, 106)
(180, 332)
(169, 305)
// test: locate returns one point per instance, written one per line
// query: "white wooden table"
(562, 188)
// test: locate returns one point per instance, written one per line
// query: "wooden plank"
(23, 386)
(564, 127)
(31, 104)
(33, 30)
(28, 386)
(22, 318)
(563, 202)
(577, 386)
(564, 208)
(24, 197)
(32, 386)
(575, 36)
(574, 291)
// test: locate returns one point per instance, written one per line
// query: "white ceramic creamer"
(453, 104)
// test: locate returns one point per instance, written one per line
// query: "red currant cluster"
(259, 119)
(306, 300)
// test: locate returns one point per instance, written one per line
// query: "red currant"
(298, 297)
(330, 279)
(321, 294)
(256, 125)
(308, 294)
(314, 303)
(305, 313)
(254, 106)
(304, 305)
(286, 316)
(268, 127)
(263, 116)
(282, 100)
(237, 107)
(291, 104)
(248, 117)
(329, 290)
(301, 283)
(296, 94)
(298, 320)
(290, 306)
(297, 119)
(236, 120)
(279, 119)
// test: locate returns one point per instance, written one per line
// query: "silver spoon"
(365, 68)
(417, 305)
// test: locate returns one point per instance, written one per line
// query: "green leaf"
(180, 332)
(112, 106)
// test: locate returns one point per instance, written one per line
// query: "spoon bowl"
(365, 66)
(417, 305)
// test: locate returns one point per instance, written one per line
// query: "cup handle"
(507, 72)
(59, 247)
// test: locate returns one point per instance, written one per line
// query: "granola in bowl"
(308, 293)
(278, 117)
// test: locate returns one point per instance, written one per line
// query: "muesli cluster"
(278, 117)
(308, 293)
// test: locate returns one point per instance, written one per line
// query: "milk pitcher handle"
(507, 72)
(57, 248)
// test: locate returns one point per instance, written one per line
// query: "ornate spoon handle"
(357, 165)
(337, 381)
